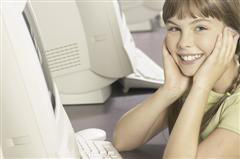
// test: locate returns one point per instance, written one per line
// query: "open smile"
(190, 58)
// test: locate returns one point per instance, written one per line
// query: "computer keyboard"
(96, 149)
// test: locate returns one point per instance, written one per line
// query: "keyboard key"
(90, 149)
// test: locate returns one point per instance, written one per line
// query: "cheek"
(206, 43)
(171, 43)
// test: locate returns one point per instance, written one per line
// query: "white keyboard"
(96, 149)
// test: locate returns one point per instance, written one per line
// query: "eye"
(200, 28)
(173, 29)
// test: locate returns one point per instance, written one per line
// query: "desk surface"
(105, 116)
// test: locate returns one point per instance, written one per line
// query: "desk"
(105, 116)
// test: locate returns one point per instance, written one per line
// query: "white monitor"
(141, 15)
(83, 45)
(33, 121)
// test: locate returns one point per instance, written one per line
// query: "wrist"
(203, 83)
(172, 93)
(201, 87)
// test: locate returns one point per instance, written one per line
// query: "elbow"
(123, 144)
(119, 146)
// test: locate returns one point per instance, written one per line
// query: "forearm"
(183, 141)
(137, 125)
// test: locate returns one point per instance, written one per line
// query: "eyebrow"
(193, 22)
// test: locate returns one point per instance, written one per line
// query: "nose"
(185, 41)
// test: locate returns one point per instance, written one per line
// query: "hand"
(220, 58)
(174, 79)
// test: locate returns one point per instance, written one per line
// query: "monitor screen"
(44, 65)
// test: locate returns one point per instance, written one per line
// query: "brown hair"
(224, 10)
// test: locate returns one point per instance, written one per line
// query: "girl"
(200, 99)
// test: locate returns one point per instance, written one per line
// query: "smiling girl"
(200, 99)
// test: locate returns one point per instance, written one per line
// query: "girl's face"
(191, 40)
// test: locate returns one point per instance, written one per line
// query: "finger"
(165, 53)
(235, 43)
(223, 49)
(167, 57)
(233, 40)
(165, 50)
(229, 45)
(218, 44)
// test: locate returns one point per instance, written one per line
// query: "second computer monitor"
(83, 45)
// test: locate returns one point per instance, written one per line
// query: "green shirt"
(227, 116)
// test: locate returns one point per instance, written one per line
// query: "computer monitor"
(141, 15)
(33, 121)
(83, 44)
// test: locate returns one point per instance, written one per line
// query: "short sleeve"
(230, 115)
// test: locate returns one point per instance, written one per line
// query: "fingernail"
(232, 30)
(236, 35)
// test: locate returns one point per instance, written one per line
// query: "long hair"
(226, 11)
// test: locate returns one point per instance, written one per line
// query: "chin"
(189, 70)
(188, 73)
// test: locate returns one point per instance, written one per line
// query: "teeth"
(190, 57)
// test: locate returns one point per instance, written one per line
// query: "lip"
(188, 54)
